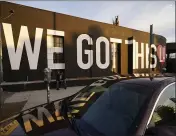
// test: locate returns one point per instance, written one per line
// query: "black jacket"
(60, 77)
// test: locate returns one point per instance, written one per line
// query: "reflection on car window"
(116, 109)
(165, 112)
(98, 89)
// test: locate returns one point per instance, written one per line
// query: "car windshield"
(115, 111)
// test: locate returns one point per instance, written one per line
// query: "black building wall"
(31, 18)
(72, 27)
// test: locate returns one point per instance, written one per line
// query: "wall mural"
(140, 59)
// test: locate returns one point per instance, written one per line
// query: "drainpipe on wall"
(1, 73)
(1, 19)
(1, 70)
(1, 67)
(11, 12)
(91, 56)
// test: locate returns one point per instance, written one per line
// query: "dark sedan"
(113, 106)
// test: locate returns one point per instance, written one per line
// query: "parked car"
(113, 106)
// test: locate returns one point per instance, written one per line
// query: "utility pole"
(150, 42)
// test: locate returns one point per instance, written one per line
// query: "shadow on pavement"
(10, 109)
(13, 103)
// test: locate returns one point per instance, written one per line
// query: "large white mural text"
(94, 56)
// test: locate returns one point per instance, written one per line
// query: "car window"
(115, 111)
(165, 110)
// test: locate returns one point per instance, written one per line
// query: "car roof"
(151, 83)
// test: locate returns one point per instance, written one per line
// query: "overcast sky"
(133, 14)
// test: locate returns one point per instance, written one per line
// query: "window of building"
(58, 42)
(55, 57)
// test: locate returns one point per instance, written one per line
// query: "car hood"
(39, 120)
(18, 131)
